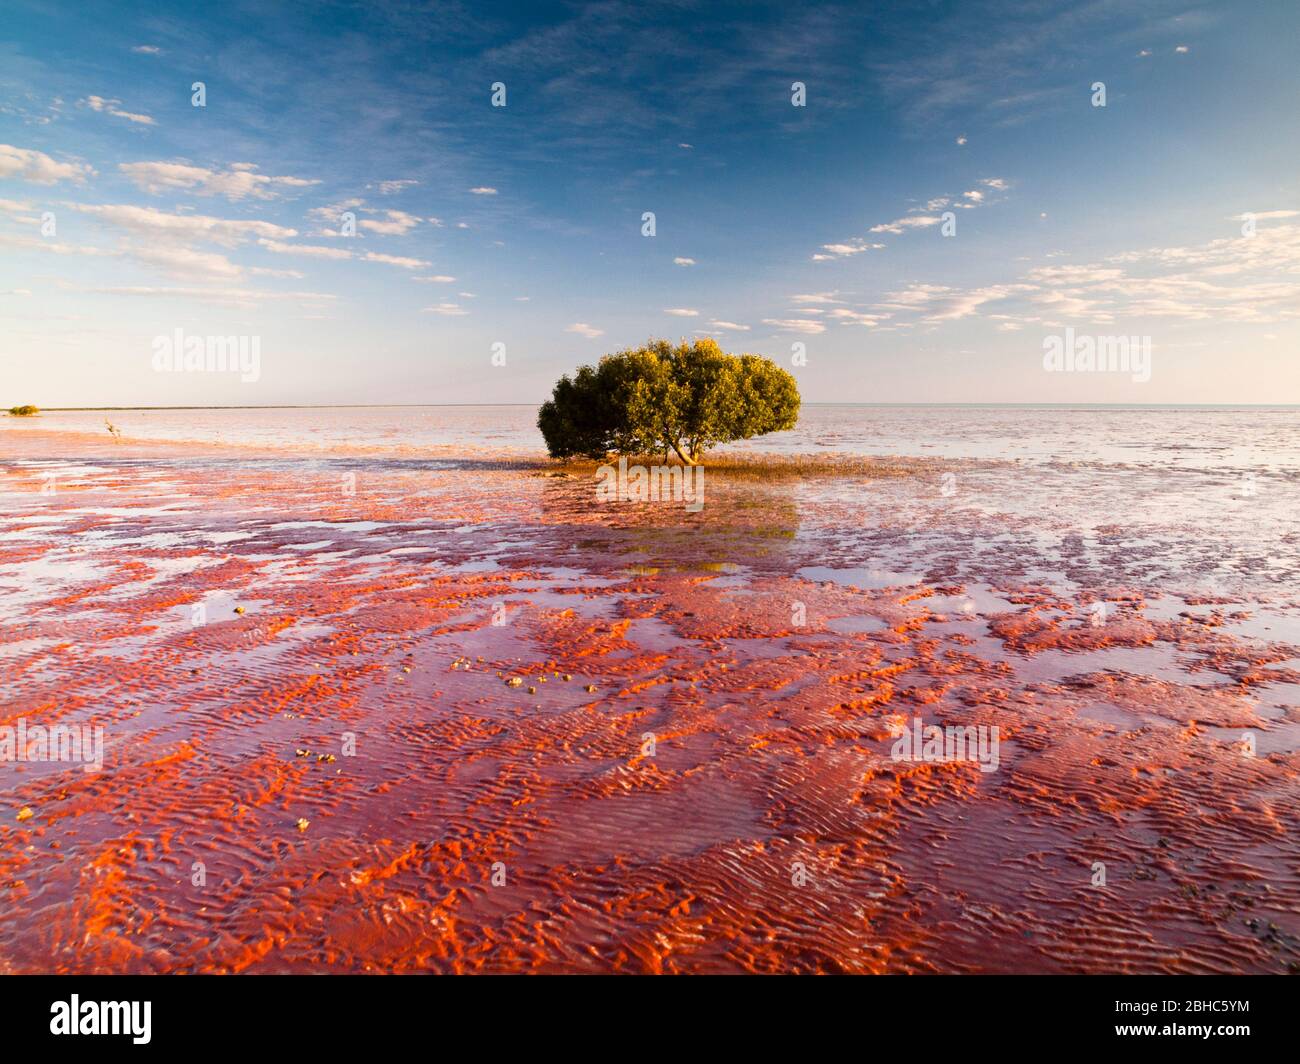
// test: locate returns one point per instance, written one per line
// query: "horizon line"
(399, 406)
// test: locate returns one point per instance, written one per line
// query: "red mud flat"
(342, 777)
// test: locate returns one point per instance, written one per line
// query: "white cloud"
(332, 214)
(583, 329)
(159, 178)
(1254, 280)
(395, 223)
(439, 278)
(450, 310)
(387, 188)
(147, 49)
(312, 250)
(174, 260)
(729, 326)
(799, 325)
(395, 260)
(1182, 49)
(267, 271)
(845, 316)
(99, 103)
(54, 247)
(483, 190)
(1071, 276)
(969, 200)
(939, 303)
(843, 250)
(682, 312)
(1261, 216)
(243, 297)
(186, 262)
(27, 164)
(814, 298)
(147, 221)
(681, 260)
(912, 221)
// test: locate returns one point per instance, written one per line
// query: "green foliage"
(660, 398)
(23, 411)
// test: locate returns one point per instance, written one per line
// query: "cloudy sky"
(126, 212)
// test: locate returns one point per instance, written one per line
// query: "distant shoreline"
(921, 406)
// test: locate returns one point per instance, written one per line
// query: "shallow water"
(1258, 438)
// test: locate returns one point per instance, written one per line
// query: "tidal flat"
(414, 703)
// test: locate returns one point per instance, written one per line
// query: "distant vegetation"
(23, 411)
(660, 398)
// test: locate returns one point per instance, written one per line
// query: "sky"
(921, 195)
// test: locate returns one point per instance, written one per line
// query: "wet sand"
(766, 649)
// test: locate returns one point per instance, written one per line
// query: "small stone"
(239, 609)
(591, 687)
(25, 813)
(514, 681)
(303, 823)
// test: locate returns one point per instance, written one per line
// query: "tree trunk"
(690, 461)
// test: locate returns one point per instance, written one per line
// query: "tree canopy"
(660, 398)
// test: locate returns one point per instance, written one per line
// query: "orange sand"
(771, 739)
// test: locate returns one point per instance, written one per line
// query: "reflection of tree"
(741, 522)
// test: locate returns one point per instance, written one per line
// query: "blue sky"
(774, 224)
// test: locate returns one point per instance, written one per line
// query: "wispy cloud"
(150, 222)
(396, 260)
(236, 183)
(911, 221)
(27, 164)
(112, 107)
(393, 223)
(317, 251)
(797, 325)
